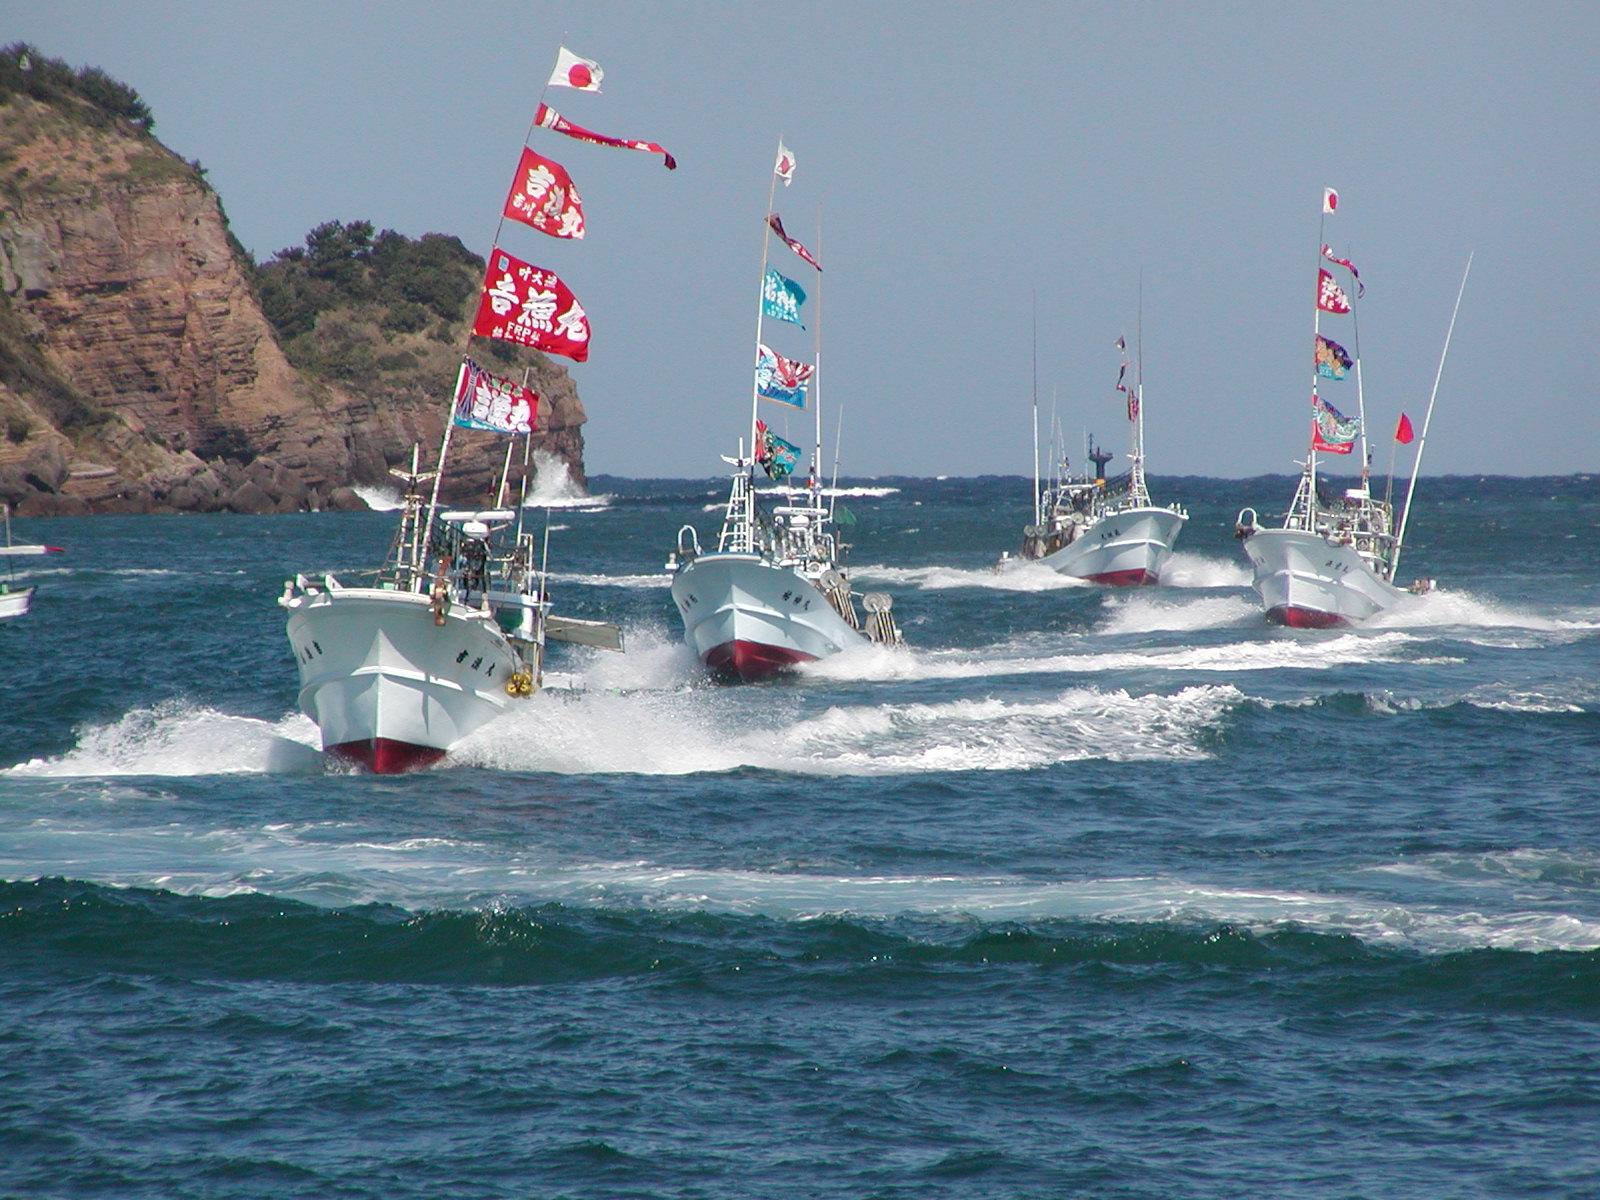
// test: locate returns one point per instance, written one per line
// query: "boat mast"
(816, 370)
(1422, 441)
(449, 416)
(761, 296)
(1316, 332)
(1136, 489)
(1038, 499)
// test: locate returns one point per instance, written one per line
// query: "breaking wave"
(178, 738)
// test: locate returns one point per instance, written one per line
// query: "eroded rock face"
(119, 275)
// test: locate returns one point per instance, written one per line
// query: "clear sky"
(963, 158)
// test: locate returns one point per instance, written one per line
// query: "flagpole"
(1361, 401)
(1138, 428)
(1422, 441)
(1038, 501)
(761, 289)
(449, 422)
(816, 370)
(1316, 332)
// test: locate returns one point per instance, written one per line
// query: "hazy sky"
(963, 158)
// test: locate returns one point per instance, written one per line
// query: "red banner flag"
(485, 401)
(1402, 431)
(1330, 296)
(776, 222)
(530, 306)
(549, 118)
(542, 195)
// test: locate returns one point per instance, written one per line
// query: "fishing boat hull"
(1308, 582)
(1122, 549)
(15, 603)
(389, 687)
(748, 619)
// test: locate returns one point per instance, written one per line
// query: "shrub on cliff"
(89, 90)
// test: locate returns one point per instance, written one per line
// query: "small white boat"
(776, 592)
(17, 600)
(1334, 560)
(1105, 531)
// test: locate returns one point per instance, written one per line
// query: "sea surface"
(1086, 893)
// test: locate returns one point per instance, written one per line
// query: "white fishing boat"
(1334, 560)
(15, 599)
(775, 592)
(399, 664)
(1105, 531)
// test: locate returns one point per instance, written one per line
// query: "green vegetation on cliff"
(376, 312)
(93, 94)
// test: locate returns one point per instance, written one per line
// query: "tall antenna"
(1422, 442)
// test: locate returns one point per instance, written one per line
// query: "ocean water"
(1087, 893)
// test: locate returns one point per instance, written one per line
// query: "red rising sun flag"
(549, 118)
(1330, 296)
(1402, 432)
(529, 306)
(784, 167)
(485, 401)
(1330, 200)
(776, 222)
(574, 72)
(542, 195)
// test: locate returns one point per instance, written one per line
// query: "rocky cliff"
(138, 371)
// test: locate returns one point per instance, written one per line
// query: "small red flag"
(1402, 431)
(542, 195)
(776, 222)
(530, 306)
(548, 118)
(1330, 296)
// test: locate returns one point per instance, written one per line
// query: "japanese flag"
(574, 72)
(784, 167)
(1330, 200)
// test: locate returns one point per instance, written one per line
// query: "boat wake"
(176, 738)
(1188, 570)
(1141, 613)
(1446, 609)
(710, 730)
(1015, 576)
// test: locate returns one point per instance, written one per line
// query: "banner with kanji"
(530, 306)
(1330, 296)
(781, 379)
(549, 118)
(1331, 431)
(781, 298)
(1332, 361)
(542, 196)
(485, 401)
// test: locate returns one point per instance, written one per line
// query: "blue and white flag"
(781, 379)
(781, 298)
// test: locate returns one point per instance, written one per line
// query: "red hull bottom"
(1137, 577)
(1304, 618)
(385, 756)
(740, 661)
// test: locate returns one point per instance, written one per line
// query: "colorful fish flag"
(1331, 431)
(530, 306)
(1330, 201)
(781, 298)
(784, 167)
(775, 222)
(485, 401)
(1332, 361)
(1403, 432)
(781, 379)
(777, 457)
(1361, 288)
(549, 118)
(1330, 296)
(575, 72)
(542, 195)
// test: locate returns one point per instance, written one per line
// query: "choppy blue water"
(1109, 894)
